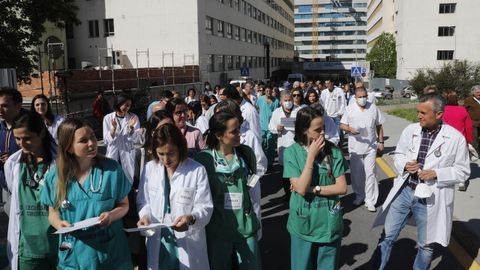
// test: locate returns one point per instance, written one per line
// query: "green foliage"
(21, 27)
(408, 114)
(458, 75)
(383, 57)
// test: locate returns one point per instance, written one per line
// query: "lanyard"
(32, 167)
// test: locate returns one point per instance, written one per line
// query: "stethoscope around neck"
(66, 203)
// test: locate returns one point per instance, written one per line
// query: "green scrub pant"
(307, 255)
(269, 145)
(247, 253)
(49, 263)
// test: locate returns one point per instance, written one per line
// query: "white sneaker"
(371, 208)
(462, 187)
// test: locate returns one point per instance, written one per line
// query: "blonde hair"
(67, 164)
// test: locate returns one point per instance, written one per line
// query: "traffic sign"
(244, 72)
(355, 72)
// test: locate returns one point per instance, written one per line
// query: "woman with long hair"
(121, 130)
(230, 168)
(41, 105)
(311, 97)
(316, 170)
(174, 188)
(197, 119)
(85, 185)
(30, 247)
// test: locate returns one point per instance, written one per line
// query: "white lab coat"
(333, 102)
(250, 114)
(248, 138)
(189, 194)
(121, 147)
(202, 124)
(57, 120)
(285, 137)
(12, 169)
(452, 167)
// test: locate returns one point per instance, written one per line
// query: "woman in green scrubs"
(30, 247)
(316, 169)
(232, 231)
(84, 185)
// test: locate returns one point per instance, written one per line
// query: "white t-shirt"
(365, 122)
(333, 102)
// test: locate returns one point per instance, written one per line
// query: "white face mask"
(362, 101)
(287, 105)
(207, 87)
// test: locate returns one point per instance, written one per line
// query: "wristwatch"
(316, 190)
(192, 221)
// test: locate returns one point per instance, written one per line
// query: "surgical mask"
(221, 165)
(207, 87)
(362, 101)
(287, 105)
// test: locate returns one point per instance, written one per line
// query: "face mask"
(207, 87)
(362, 101)
(287, 105)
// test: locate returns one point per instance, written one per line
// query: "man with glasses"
(363, 122)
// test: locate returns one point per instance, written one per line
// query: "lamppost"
(266, 46)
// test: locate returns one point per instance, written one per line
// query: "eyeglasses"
(296, 95)
(178, 113)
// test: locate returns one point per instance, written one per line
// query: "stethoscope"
(66, 203)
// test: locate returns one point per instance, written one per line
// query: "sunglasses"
(296, 95)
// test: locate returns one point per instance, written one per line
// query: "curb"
(464, 243)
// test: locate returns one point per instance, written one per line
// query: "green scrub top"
(94, 247)
(36, 242)
(168, 257)
(315, 218)
(266, 110)
(233, 218)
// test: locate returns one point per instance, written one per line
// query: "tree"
(458, 75)
(383, 56)
(21, 27)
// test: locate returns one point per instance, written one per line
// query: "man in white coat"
(332, 99)
(363, 122)
(431, 157)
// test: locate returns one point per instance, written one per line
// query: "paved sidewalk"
(466, 215)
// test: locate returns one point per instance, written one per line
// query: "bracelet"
(380, 142)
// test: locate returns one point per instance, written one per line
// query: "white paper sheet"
(288, 122)
(151, 226)
(89, 222)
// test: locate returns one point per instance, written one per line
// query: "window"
(69, 30)
(93, 29)
(229, 30)
(447, 8)
(108, 27)
(446, 31)
(237, 62)
(219, 63)
(220, 28)
(236, 4)
(210, 63)
(243, 34)
(236, 30)
(249, 36)
(444, 55)
(208, 24)
(229, 62)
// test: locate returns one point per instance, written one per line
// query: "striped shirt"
(428, 137)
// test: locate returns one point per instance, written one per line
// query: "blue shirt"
(7, 144)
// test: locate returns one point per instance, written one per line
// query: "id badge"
(185, 196)
(233, 200)
(253, 180)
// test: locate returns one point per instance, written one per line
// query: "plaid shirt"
(427, 140)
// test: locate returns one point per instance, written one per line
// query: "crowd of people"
(197, 199)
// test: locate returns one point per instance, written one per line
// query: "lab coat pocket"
(65, 251)
(184, 197)
(447, 161)
(301, 220)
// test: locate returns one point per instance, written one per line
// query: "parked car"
(382, 94)
(407, 92)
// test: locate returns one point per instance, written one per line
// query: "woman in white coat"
(175, 188)
(121, 130)
(41, 105)
(30, 247)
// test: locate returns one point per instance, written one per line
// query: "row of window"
(308, 8)
(244, 7)
(446, 31)
(332, 33)
(331, 42)
(93, 29)
(220, 63)
(445, 55)
(447, 8)
(228, 30)
(330, 15)
(335, 51)
(331, 24)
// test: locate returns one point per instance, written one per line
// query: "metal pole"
(100, 69)
(148, 65)
(113, 73)
(136, 60)
(173, 69)
(49, 73)
(163, 68)
(40, 68)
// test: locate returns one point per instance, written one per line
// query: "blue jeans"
(397, 216)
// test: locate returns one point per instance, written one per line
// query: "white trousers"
(362, 175)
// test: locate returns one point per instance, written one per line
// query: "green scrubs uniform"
(95, 247)
(168, 257)
(269, 140)
(233, 226)
(37, 247)
(315, 223)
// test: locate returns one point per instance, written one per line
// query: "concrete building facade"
(341, 30)
(220, 36)
(380, 19)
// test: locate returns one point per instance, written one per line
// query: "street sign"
(355, 72)
(244, 72)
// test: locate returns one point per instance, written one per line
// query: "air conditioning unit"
(117, 58)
